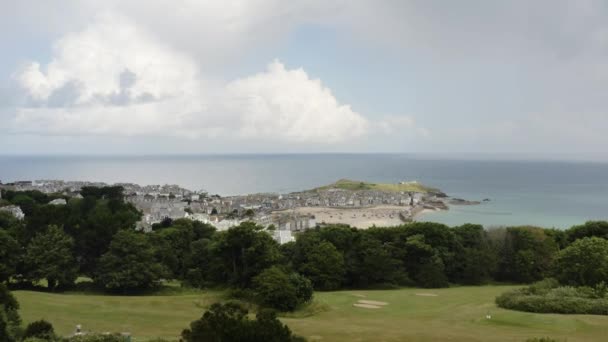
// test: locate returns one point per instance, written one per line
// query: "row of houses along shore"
(162, 202)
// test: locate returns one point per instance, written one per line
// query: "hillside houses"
(159, 202)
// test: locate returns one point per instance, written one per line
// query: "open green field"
(353, 185)
(454, 314)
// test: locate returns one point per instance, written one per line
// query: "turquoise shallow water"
(551, 194)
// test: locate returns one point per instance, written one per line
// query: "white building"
(58, 201)
(14, 210)
(283, 236)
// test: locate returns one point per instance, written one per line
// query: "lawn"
(455, 314)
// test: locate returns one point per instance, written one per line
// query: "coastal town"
(357, 204)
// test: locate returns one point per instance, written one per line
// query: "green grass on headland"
(352, 185)
(454, 314)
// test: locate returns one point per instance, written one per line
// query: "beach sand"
(380, 216)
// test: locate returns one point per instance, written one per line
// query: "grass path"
(455, 314)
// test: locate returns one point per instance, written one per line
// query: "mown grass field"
(455, 314)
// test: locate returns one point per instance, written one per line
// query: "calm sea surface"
(550, 194)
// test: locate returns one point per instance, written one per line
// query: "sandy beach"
(380, 216)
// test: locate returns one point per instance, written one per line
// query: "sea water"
(543, 193)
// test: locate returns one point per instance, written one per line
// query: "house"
(58, 201)
(14, 210)
(283, 236)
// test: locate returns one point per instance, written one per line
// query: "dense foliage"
(548, 296)
(229, 322)
(94, 236)
(39, 329)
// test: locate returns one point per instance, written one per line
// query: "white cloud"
(114, 78)
(289, 104)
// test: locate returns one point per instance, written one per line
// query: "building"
(14, 210)
(283, 236)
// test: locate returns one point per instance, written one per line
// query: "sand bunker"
(367, 306)
(426, 294)
(372, 302)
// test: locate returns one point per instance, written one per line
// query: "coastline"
(362, 217)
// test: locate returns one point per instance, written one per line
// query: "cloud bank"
(115, 78)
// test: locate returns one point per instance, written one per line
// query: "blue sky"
(268, 76)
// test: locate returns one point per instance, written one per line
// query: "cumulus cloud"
(289, 104)
(114, 78)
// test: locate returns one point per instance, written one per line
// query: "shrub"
(565, 300)
(40, 329)
(99, 338)
(230, 322)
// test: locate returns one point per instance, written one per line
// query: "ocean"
(542, 193)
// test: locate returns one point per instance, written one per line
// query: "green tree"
(589, 229)
(475, 260)
(9, 315)
(371, 263)
(10, 255)
(583, 263)
(49, 256)
(130, 264)
(318, 261)
(230, 322)
(243, 252)
(525, 254)
(249, 213)
(432, 273)
(276, 289)
(93, 221)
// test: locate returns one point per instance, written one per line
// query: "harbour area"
(354, 203)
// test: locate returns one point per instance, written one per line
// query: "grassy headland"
(353, 185)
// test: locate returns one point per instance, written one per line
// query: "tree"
(319, 261)
(583, 263)
(432, 273)
(173, 246)
(243, 252)
(525, 254)
(49, 256)
(589, 229)
(9, 315)
(10, 255)
(249, 213)
(130, 264)
(229, 322)
(371, 263)
(475, 260)
(276, 289)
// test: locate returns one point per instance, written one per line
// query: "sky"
(272, 76)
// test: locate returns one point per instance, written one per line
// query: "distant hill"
(353, 185)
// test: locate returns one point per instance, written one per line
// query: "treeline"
(57, 243)
(94, 236)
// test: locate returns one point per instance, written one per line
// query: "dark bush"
(543, 298)
(40, 329)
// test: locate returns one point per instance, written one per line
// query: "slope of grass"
(455, 314)
(353, 185)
